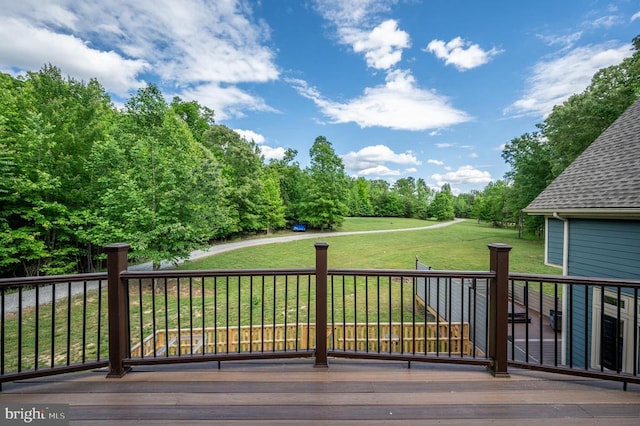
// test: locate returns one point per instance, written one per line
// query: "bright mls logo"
(37, 414)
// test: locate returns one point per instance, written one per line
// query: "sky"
(429, 89)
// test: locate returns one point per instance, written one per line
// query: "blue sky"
(426, 88)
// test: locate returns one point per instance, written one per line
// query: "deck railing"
(493, 318)
(51, 325)
(578, 325)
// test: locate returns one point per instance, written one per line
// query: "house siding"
(555, 241)
(604, 248)
(598, 248)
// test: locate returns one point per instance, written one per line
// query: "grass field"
(461, 246)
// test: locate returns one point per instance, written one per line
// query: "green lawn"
(461, 246)
(376, 223)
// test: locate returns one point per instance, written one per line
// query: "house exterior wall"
(604, 248)
(555, 241)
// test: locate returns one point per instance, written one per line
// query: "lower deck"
(347, 393)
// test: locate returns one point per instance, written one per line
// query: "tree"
(463, 205)
(325, 199)
(199, 118)
(359, 200)
(50, 126)
(293, 184)
(273, 207)
(442, 206)
(530, 160)
(491, 205)
(424, 196)
(163, 194)
(406, 190)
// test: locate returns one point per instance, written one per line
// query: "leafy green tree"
(442, 206)
(463, 204)
(424, 196)
(199, 118)
(50, 126)
(491, 205)
(293, 184)
(273, 206)
(359, 200)
(163, 192)
(406, 190)
(530, 159)
(326, 196)
(243, 172)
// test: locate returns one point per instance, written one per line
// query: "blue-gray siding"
(555, 241)
(604, 248)
(597, 248)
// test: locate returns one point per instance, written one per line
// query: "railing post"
(321, 304)
(498, 308)
(118, 318)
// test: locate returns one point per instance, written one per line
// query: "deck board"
(348, 392)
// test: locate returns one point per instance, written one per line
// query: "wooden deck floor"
(347, 393)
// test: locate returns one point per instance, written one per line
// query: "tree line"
(77, 173)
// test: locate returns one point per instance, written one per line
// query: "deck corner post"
(321, 304)
(498, 308)
(117, 309)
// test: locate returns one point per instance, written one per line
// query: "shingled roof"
(604, 179)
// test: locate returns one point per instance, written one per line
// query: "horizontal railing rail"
(584, 326)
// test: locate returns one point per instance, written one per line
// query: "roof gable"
(605, 177)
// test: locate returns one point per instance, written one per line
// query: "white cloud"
(378, 171)
(605, 22)
(227, 101)
(462, 54)
(267, 152)
(445, 145)
(356, 26)
(464, 175)
(552, 81)
(382, 46)
(398, 104)
(635, 16)
(411, 170)
(187, 44)
(272, 153)
(250, 135)
(27, 47)
(436, 162)
(370, 156)
(566, 40)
